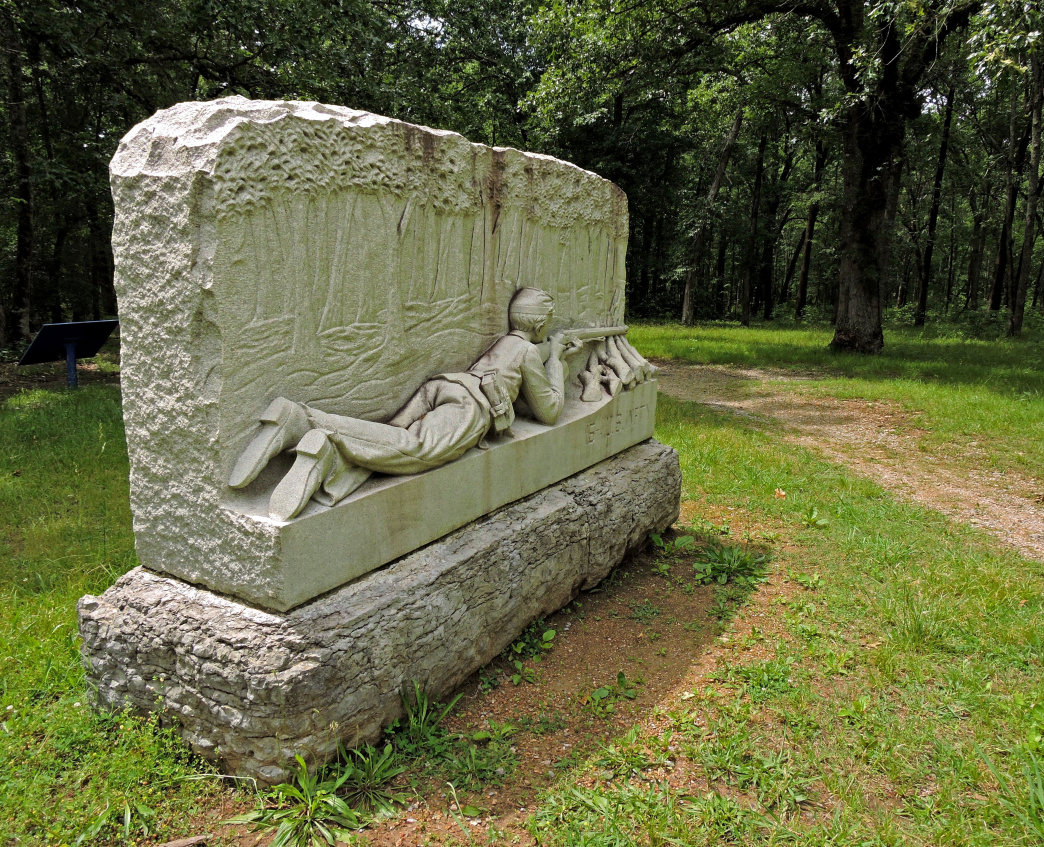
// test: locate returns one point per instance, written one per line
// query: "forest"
(831, 160)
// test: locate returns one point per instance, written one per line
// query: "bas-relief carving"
(448, 415)
(306, 319)
(339, 260)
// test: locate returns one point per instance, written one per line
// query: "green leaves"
(602, 701)
(306, 812)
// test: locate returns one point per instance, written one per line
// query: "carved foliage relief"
(355, 256)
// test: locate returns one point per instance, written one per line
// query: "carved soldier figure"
(447, 416)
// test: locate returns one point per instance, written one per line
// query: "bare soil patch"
(640, 622)
(876, 439)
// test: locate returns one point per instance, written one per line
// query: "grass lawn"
(891, 691)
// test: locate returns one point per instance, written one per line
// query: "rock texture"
(330, 256)
(250, 688)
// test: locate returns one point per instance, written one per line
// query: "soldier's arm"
(542, 386)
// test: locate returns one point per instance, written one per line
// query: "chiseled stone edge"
(251, 688)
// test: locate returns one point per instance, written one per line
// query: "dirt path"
(876, 439)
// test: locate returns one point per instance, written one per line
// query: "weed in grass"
(129, 820)
(488, 680)
(523, 673)
(723, 819)
(765, 680)
(720, 563)
(670, 547)
(838, 662)
(625, 758)
(811, 582)
(644, 612)
(420, 733)
(855, 712)
(477, 764)
(367, 774)
(916, 623)
(531, 644)
(1024, 803)
(703, 528)
(545, 723)
(497, 733)
(536, 639)
(602, 701)
(624, 815)
(306, 812)
(1031, 715)
(813, 520)
(809, 631)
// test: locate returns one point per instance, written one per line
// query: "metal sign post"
(69, 341)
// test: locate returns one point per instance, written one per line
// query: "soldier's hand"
(563, 345)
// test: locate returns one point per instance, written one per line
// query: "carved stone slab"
(251, 688)
(339, 259)
(325, 547)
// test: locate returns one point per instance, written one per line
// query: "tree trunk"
(755, 209)
(15, 326)
(873, 146)
(696, 250)
(951, 254)
(933, 214)
(978, 242)
(1037, 287)
(101, 265)
(1002, 265)
(810, 230)
(771, 227)
(1017, 301)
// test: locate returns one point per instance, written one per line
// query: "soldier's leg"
(283, 424)
(454, 424)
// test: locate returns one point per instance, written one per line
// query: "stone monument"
(381, 412)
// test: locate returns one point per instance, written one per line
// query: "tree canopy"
(827, 157)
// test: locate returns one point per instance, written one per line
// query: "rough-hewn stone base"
(251, 688)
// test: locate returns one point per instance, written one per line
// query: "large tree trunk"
(873, 145)
(1017, 300)
(771, 227)
(1002, 269)
(874, 132)
(921, 311)
(696, 250)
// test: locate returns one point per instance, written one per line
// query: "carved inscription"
(604, 427)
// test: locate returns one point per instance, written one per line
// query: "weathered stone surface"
(393, 515)
(332, 257)
(250, 688)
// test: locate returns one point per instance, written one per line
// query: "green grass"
(957, 388)
(910, 669)
(912, 662)
(66, 532)
(904, 703)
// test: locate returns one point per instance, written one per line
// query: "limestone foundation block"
(249, 688)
